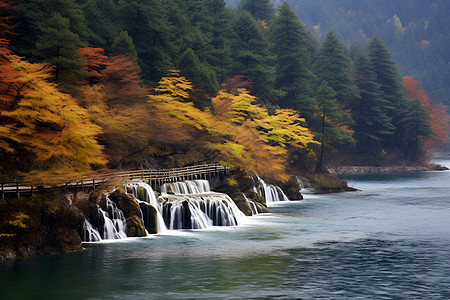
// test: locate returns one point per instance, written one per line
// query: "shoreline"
(402, 169)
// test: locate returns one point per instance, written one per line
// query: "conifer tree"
(101, 17)
(199, 74)
(333, 66)
(390, 81)
(373, 126)
(288, 38)
(153, 35)
(333, 124)
(252, 58)
(123, 44)
(261, 10)
(58, 45)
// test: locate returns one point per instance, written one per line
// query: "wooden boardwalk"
(154, 178)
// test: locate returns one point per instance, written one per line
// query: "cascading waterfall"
(182, 205)
(186, 187)
(252, 205)
(199, 211)
(110, 224)
(149, 197)
(270, 192)
(192, 205)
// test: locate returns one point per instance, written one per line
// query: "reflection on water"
(388, 241)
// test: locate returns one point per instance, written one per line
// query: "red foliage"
(122, 82)
(96, 62)
(440, 120)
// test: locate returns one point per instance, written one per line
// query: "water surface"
(391, 240)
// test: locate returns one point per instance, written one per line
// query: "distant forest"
(102, 84)
(415, 31)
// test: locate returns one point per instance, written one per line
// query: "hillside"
(415, 31)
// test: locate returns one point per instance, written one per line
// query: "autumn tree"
(244, 133)
(121, 81)
(95, 62)
(48, 134)
(439, 119)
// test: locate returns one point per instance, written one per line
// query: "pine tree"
(252, 58)
(261, 10)
(200, 75)
(58, 45)
(333, 66)
(123, 44)
(333, 122)
(390, 80)
(153, 35)
(288, 38)
(101, 17)
(373, 127)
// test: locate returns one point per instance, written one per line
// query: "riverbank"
(400, 169)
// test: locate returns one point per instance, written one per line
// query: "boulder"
(149, 216)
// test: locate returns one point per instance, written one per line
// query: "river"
(391, 240)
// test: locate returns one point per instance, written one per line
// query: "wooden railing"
(155, 178)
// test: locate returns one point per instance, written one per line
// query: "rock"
(136, 227)
(292, 189)
(242, 204)
(7, 254)
(126, 203)
(132, 211)
(149, 216)
(259, 201)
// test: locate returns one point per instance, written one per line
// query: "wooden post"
(3, 193)
(17, 189)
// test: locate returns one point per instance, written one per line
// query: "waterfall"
(110, 223)
(270, 192)
(150, 198)
(186, 187)
(89, 233)
(252, 205)
(199, 211)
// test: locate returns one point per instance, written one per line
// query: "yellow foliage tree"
(50, 126)
(243, 132)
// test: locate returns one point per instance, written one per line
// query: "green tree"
(253, 59)
(261, 10)
(148, 24)
(288, 39)
(333, 66)
(199, 74)
(373, 127)
(123, 44)
(391, 84)
(333, 122)
(58, 45)
(32, 15)
(101, 17)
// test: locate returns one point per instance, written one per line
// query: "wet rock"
(136, 227)
(149, 216)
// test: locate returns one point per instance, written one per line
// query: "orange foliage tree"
(49, 126)
(440, 120)
(7, 75)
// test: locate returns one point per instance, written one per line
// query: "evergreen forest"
(99, 85)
